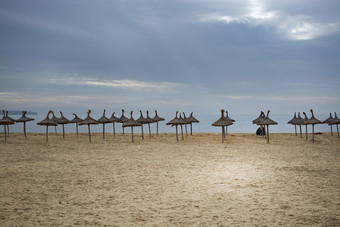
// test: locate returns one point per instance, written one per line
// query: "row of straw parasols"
(299, 121)
(126, 122)
(6, 121)
(182, 121)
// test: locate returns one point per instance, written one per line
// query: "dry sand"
(157, 182)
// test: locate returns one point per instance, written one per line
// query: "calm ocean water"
(242, 124)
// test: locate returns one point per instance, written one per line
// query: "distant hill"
(18, 112)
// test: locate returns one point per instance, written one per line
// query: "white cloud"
(293, 27)
(125, 84)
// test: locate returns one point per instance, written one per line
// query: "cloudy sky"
(188, 55)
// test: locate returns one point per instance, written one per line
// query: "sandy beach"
(157, 182)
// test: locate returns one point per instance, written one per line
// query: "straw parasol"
(142, 121)
(267, 121)
(175, 122)
(299, 122)
(305, 121)
(76, 120)
(228, 118)
(47, 122)
(123, 120)
(114, 119)
(131, 123)
(55, 119)
(191, 119)
(11, 119)
(336, 122)
(157, 119)
(24, 119)
(183, 122)
(63, 121)
(329, 120)
(258, 120)
(294, 122)
(148, 121)
(103, 120)
(5, 121)
(89, 121)
(313, 121)
(222, 122)
(186, 123)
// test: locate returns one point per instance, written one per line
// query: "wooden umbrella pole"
(157, 127)
(5, 133)
(142, 131)
(337, 128)
(103, 131)
(46, 133)
(63, 131)
(300, 131)
(186, 130)
(182, 132)
(132, 134)
(114, 129)
(313, 131)
(25, 130)
(306, 133)
(149, 130)
(267, 133)
(331, 130)
(191, 129)
(295, 131)
(77, 128)
(88, 125)
(222, 134)
(177, 133)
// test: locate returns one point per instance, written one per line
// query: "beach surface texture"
(158, 182)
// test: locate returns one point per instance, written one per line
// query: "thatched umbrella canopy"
(103, 120)
(258, 120)
(175, 122)
(24, 119)
(123, 120)
(267, 121)
(157, 119)
(89, 121)
(142, 120)
(191, 119)
(47, 122)
(222, 122)
(336, 122)
(294, 122)
(131, 123)
(114, 119)
(76, 120)
(63, 121)
(5, 121)
(329, 120)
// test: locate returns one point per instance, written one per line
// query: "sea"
(243, 124)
